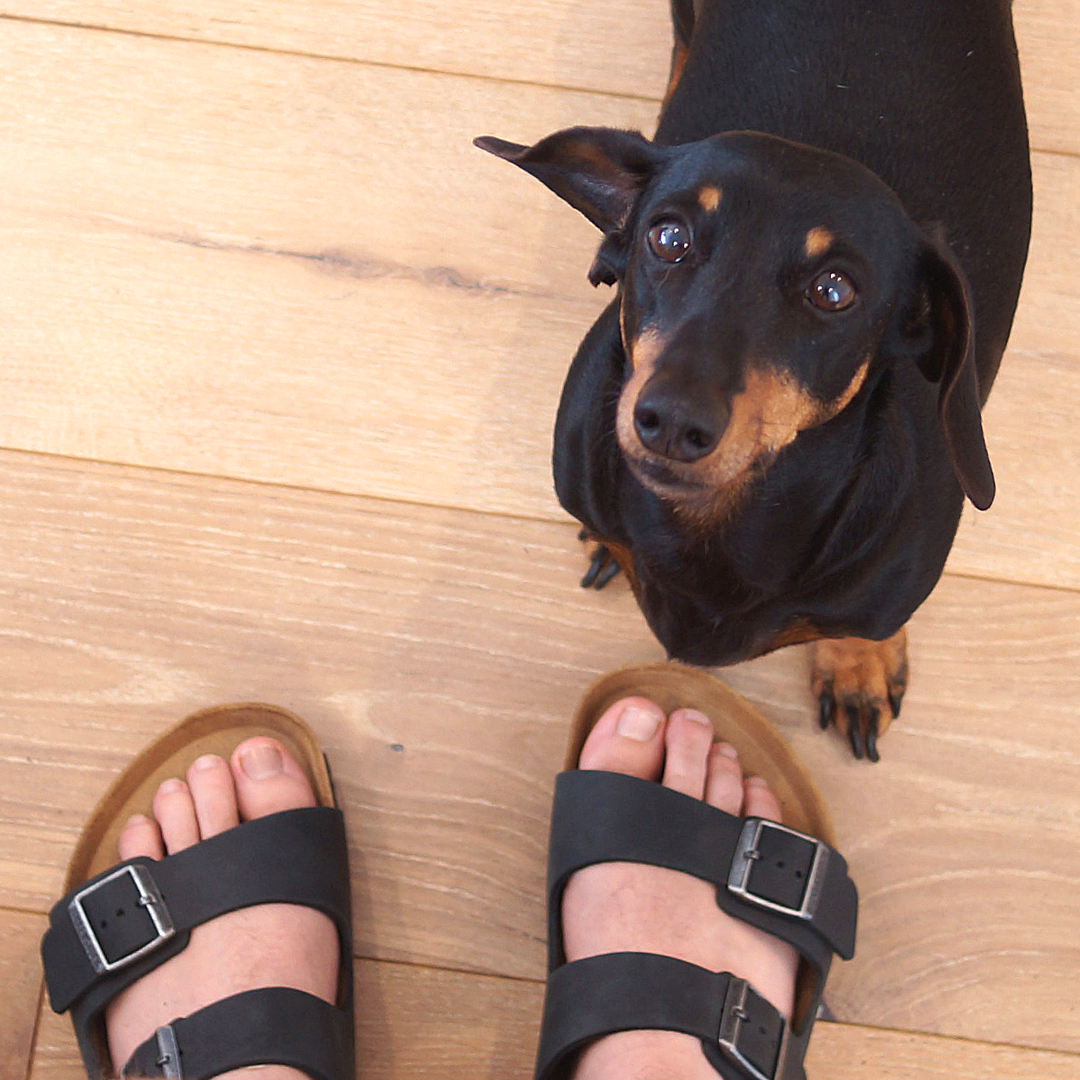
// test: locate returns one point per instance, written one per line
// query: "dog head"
(762, 284)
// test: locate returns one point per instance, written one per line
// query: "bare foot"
(268, 945)
(614, 907)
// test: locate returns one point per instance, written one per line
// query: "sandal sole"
(762, 750)
(216, 730)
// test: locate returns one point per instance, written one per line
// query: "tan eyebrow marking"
(709, 197)
(818, 241)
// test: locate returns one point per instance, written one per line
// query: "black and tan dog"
(772, 428)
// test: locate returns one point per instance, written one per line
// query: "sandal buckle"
(752, 1032)
(139, 890)
(778, 868)
(168, 1059)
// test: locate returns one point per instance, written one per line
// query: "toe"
(175, 812)
(687, 743)
(759, 800)
(268, 779)
(724, 782)
(140, 836)
(214, 794)
(628, 738)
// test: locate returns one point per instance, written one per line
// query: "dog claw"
(854, 732)
(896, 696)
(603, 566)
(826, 708)
(609, 571)
(872, 734)
(599, 560)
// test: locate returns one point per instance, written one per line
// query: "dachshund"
(772, 427)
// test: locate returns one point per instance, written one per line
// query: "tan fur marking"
(818, 241)
(709, 197)
(678, 59)
(766, 416)
(836, 407)
(796, 632)
(621, 554)
(645, 349)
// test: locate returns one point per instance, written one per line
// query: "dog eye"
(832, 291)
(669, 240)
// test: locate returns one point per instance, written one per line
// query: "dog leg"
(859, 685)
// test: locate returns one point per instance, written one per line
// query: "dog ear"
(599, 171)
(949, 361)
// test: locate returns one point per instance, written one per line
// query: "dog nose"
(675, 429)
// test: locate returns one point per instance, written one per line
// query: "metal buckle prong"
(732, 1018)
(746, 853)
(168, 1059)
(149, 897)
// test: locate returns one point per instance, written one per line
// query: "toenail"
(638, 723)
(727, 750)
(261, 761)
(756, 781)
(168, 787)
(207, 761)
(697, 717)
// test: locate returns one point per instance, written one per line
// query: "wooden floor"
(279, 357)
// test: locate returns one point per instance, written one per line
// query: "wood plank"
(212, 265)
(202, 270)
(858, 1053)
(1030, 533)
(438, 654)
(600, 45)
(414, 1023)
(20, 988)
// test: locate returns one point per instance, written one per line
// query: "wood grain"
(439, 654)
(419, 1023)
(601, 45)
(20, 988)
(280, 357)
(238, 263)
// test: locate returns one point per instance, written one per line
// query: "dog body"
(774, 424)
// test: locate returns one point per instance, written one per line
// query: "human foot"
(616, 907)
(268, 945)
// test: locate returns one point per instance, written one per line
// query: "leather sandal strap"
(270, 1026)
(743, 1036)
(784, 882)
(111, 930)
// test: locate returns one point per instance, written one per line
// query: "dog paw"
(603, 564)
(859, 685)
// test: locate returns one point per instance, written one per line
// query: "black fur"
(897, 124)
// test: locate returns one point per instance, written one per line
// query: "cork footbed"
(218, 730)
(762, 751)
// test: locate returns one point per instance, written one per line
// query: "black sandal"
(116, 924)
(788, 882)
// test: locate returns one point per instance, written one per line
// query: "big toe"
(268, 779)
(628, 738)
